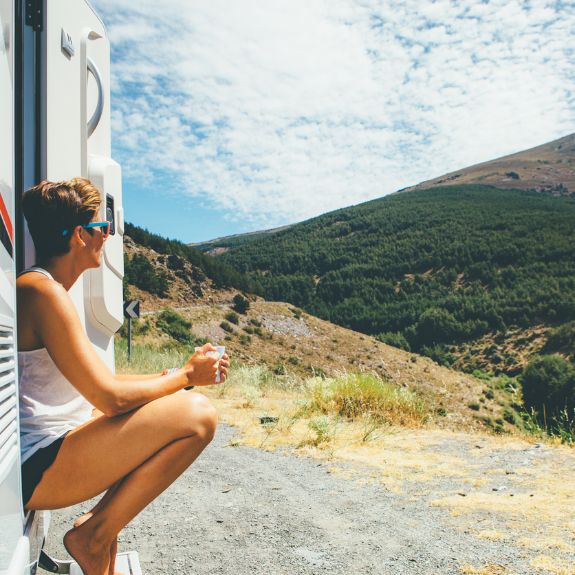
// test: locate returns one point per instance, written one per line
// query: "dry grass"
(551, 565)
(380, 430)
(146, 358)
(364, 395)
(490, 569)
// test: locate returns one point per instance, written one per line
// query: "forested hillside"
(429, 268)
(138, 271)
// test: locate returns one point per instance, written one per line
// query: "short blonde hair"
(52, 207)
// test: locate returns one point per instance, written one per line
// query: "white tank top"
(49, 404)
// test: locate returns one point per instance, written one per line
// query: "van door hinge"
(35, 14)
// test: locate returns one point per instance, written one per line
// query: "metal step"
(127, 563)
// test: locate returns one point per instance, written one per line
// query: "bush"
(227, 327)
(510, 416)
(562, 338)
(322, 427)
(139, 327)
(395, 339)
(296, 312)
(354, 395)
(141, 273)
(241, 304)
(245, 339)
(176, 326)
(233, 317)
(548, 384)
(440, 354)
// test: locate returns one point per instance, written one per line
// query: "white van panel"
(103, 285)
(20, 559)
(75, 42)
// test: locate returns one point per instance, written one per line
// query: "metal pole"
(129, 338)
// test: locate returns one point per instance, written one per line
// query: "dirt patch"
(245, 510)
(503, 490)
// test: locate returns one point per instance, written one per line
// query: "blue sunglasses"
(104, 225)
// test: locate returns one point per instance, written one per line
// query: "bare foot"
(82, 519)
(113, 553)
(94, 559)
(113, 549)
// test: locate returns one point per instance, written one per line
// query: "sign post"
(131, 311)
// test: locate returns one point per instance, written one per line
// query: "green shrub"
(296, 312)
(395, 339)
(176, 326)
(233, 317)
(548, 384)
(562, 338)
(227, 327)
(355, 395)
(241, 304)
(245, 339)
(474, 406)
(139, 327)
(141, 273)
(321, 425)
(510, 416)
(440, 354)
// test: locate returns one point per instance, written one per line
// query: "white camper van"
(55, 125)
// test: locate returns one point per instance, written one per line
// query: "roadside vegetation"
(320, 405)
(364, 401)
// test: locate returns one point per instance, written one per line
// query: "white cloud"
(283, 109)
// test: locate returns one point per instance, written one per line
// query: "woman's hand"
(224, 366)
(202, 367)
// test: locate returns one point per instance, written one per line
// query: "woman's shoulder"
(35, 284)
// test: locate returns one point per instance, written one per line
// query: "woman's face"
(94, 239)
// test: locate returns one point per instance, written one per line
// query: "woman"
(141, 435)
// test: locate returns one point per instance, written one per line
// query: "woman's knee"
(201, 416)
(185, 414)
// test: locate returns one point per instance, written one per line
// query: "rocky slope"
(288, 340)
(549, 168)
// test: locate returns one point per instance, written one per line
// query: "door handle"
(97, 115)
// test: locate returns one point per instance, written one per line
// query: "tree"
(548, 381)
(241, 304)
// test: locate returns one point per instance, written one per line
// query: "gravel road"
(240, 510)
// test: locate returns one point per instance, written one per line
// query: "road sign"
(132, 309)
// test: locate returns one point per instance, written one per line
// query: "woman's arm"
(59, 328)
(137, 376)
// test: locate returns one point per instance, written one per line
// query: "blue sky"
(233, 116)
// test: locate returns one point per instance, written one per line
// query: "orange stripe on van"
(6, 218)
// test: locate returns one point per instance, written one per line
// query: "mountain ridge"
(546, 168)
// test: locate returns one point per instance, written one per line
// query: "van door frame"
(29, 108)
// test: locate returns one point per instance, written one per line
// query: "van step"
(127, 563)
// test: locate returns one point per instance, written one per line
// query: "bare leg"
(87, 541)
(141, 452)
(86, 516)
